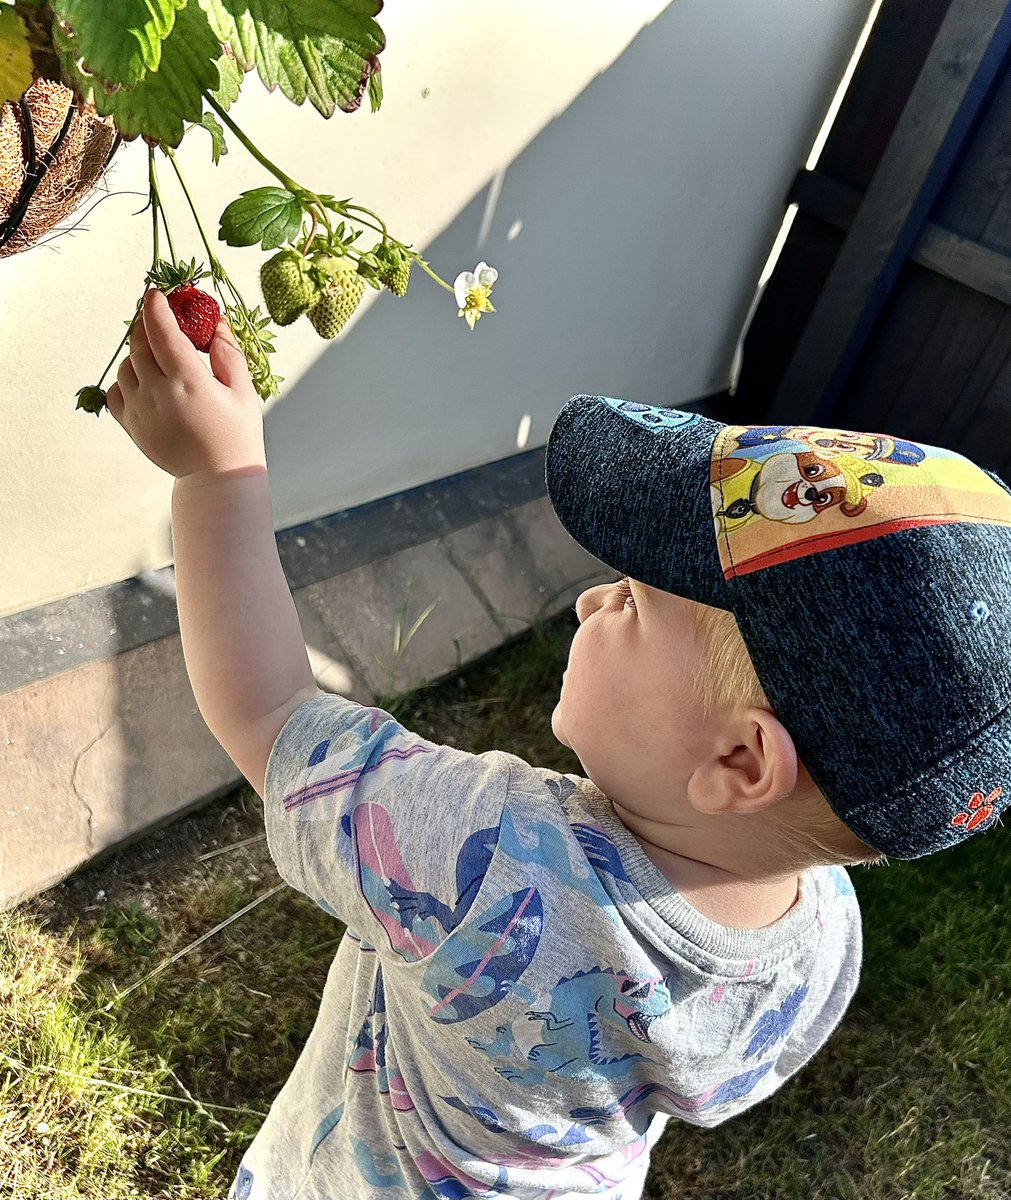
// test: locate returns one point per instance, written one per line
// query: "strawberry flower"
(472, 290)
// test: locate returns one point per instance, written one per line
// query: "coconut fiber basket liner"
(52, 153)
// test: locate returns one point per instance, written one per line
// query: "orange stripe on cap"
(830, 541)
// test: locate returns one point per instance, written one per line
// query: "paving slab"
(364, 608)
(335, 669)
(45, 827)
(495, 561)
(564, 568)
(156, 757)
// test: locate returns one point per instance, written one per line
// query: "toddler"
(804, 665)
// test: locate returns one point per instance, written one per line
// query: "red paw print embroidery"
(978, 810)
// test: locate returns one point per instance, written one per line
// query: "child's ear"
(753, 765)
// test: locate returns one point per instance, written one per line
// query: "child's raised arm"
(244, 648)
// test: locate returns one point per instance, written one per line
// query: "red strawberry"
(197, 313)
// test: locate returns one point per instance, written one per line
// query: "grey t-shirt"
(521, 1000)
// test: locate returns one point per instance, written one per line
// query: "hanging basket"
(52, 153)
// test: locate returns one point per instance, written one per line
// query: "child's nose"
(589, 601)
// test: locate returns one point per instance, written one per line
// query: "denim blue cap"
(869, 576)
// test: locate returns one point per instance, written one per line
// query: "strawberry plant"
(155, 70)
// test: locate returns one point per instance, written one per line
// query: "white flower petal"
(486, 275)
(464, 282)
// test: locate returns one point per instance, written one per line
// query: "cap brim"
(630, 483)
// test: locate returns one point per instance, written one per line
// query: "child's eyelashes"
(625, 592)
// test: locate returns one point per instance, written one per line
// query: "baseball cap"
(869, 576)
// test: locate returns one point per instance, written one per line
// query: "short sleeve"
(389, 832)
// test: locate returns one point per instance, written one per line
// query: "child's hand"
(185, 420)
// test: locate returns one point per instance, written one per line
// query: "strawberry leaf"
(218, 147)
(375, 90)
(15, 56)
(156, 105)
(321, 50)
(98, 27)
(268, 215)
(231, 81)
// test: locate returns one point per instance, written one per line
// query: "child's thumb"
(227, 361)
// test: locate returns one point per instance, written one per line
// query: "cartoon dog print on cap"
(787, 487)
(782, 492)
(872, 447)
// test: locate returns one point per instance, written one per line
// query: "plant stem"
(217, 270)
(155, 200)
(379, 229)
(154, 205)
(310, 200)
(122, 343)
(382, 228)
(239, 315)
(156, 193)
(312, 232)
(428, 271)
(262, 159)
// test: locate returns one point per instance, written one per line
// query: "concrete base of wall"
(93, 757)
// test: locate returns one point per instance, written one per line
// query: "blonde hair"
(729, 678)
(730, 681)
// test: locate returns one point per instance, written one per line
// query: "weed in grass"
(127, 928)
(390, 700)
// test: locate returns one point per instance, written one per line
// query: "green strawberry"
(397, 278)
(287, 287)
(339, 297)
(395, 267)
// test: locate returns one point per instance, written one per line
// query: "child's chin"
(556, 726)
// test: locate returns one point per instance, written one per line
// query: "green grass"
(157, 1093)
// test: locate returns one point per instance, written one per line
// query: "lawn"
(128, 1071)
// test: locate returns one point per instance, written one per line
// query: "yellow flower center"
(476, 303)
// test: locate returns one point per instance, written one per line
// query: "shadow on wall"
(627, 251)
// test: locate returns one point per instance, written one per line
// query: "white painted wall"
(622, 165)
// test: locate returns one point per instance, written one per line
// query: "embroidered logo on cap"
(979, 809)
(650, 417)
(782, 492)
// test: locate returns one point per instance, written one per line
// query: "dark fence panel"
(934, 360)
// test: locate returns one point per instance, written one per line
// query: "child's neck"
(727, 884)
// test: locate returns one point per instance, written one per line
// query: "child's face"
(630, 708)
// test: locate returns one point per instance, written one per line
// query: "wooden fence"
(890, 307)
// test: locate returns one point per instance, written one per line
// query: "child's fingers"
(227, 361)
(126, 378)
(171, 349)
(138, 332)
(115, 403)
(145, 364)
